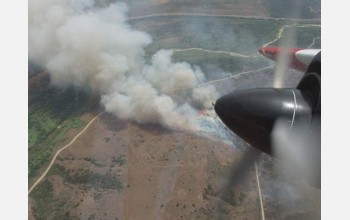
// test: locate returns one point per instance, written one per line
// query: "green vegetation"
(211, 212)
(208, 191)
(242, 196)
(59, 170)
(41, 153)
(304, 36)
(238, 35)
(96, 180)
(211, 62)
(92, 217)
(88, 178)
(178, 147)
(52, 113)
(43, 196)
(120, 160)
(294, 9)
(45, 206)
(94, 162)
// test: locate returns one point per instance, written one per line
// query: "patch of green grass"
(303, 36)
(57, 169)
(42, 196)
(92, 217)
(121, 160)
(207, 191)
(239, 35)
(94, 162)
(42, 153)
(96, 180)
(45, 205)
(52, 113)
(229, 34)
(87, 178)
(293, 9)
(306, 35)
(211, 62)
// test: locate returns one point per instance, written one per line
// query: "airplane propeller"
(282, 122)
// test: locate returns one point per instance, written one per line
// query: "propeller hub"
(251, 114)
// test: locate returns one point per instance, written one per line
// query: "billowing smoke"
(86, 46)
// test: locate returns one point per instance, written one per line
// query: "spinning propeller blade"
(275, 119)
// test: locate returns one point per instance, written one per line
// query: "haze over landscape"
(132, 83)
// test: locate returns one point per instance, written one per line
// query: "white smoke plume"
(83, 45)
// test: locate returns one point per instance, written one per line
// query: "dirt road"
(60, 150)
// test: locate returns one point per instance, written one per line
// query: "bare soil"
(163, 175)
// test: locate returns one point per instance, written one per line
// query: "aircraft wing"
(298, 58)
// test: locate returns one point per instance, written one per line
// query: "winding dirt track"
(235, 76)
(313, 42)
(60, 150)
(215, 51)
(280, 32)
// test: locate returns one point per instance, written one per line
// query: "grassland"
(52, 113)
(211, 63)
(296, 8)
(241, 35)
(263, 8)
(46, 206)
(300, 36)
(237, 35)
